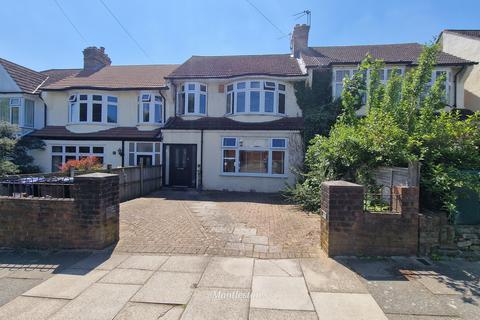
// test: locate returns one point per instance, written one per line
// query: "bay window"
(93, 108)
(150, 108)
(264, 157)
(261, 97)
(192, 99)
(18, 111)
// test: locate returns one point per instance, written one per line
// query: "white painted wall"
(6, 82)
(466, 48)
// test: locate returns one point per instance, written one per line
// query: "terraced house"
(213, 122)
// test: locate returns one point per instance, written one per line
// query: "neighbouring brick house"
(215, 122)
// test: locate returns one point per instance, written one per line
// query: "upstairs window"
(261, 97)
(17, 111)
(150, 108)
(92, 108)
(192, 99)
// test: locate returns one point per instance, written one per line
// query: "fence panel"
(138, 181)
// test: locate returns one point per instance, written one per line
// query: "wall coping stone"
(96, 175)
(341, 183)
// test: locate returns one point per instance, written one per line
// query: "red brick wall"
(89, 221)
(348, 230)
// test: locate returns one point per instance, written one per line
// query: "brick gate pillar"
(97, 201)
(341, 209)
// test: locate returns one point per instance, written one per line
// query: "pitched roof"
(404, 53)
(116, 77)
(468, 33)
(118, 133)
(55, 75)
(233, 66)
(223, 123)
(26, 79)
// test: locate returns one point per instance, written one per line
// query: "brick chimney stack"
(95, 59)
(299, 39)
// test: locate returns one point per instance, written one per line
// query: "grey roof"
(468, 33)
(118, 133)
(223, 123)
(404, 53)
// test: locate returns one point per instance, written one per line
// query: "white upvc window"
(192, 99)
(268, 161)
(256, 97)
(147, 153)
(61, 154)
(92, 108)
(337, 79)
(150, 108)
(436, 73)
(18, 111)
(386, 73)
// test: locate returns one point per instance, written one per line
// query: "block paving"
(218, 223)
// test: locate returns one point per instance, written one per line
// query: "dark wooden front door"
(182, 162)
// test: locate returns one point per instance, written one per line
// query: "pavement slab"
(100, 261)
(66, 286)
(194, 264)
(142, 311)
(256, 240)
(11, 288)
(29, 308)
(267, 314)
(101, 301)
(143, 262)
(228, 273)
(218, 304)
(414, 317)
(173, 314)
(280, 267)
(346, 306)
(283, 293)
(168, 287)
(127, 276)
(327, 275)
(408, 297)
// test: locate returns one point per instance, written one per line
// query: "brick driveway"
(217, 223)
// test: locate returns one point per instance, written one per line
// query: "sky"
(36, 34)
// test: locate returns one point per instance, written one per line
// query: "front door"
(181, 160)
(146, 160)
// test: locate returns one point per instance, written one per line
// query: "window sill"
(272, 114)
(192, 114)
(254, 175)
(104, 124)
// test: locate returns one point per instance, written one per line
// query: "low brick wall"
(348, 230)
(88, 221)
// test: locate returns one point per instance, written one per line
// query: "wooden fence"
(134, 182)
(138, 181)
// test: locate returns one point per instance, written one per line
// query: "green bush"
(405, 121)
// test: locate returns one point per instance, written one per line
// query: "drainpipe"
(200, 185)
(44, 112)
(164, 106)
(455, 86)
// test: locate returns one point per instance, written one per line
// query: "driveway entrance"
(217, 223)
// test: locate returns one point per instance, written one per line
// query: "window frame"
(264, 86)
(74, 108)
(153, 100)
(77, 154)
(156, 154)
(197, 92)
(238, 147)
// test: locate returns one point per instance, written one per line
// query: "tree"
(7, 147)
(405, 121)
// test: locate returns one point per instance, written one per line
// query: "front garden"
(406, 121)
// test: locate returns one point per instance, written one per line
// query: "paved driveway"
(217, 223)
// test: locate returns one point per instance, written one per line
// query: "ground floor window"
(147, 153)
(250, 156)
(63, 153)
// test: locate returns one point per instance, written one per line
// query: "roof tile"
(223, 123)
(232, 66)
(404, 53)
(118, 133)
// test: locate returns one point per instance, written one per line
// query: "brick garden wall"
(348, 230)
(88, 221)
